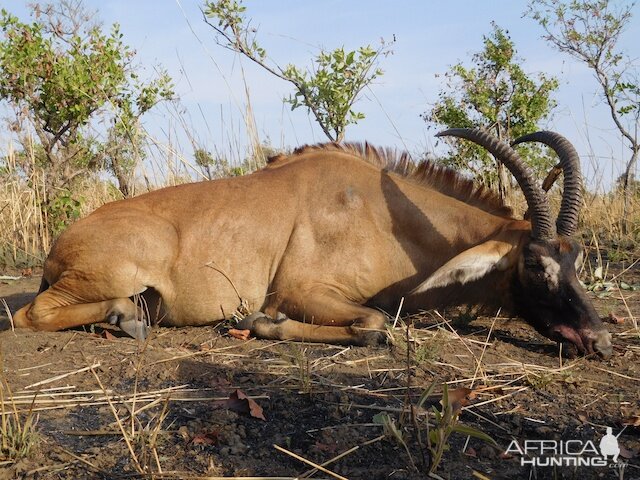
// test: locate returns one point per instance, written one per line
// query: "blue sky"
(430, 37)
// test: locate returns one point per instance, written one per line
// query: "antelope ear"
(470, 265)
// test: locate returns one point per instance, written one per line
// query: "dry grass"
(25, 230)
(496, 380)
(24, 236)
(602, 219)
(18, 435)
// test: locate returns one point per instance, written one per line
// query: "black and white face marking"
(551, 272)
(550, 297)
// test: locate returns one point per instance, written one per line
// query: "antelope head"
(541, 263)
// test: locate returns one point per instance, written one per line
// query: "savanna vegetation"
(76, 100)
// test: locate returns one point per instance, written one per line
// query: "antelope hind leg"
(327, 318)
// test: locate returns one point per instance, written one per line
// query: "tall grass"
(26, 233)
(602, 217)
(25, 237)
(23, 233)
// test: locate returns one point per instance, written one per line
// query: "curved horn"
(567, 222)
(541, 226)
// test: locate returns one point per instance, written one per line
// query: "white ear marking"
(470, 265)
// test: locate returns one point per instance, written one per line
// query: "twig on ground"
(309, 462)
(120, 425)
(60, 377)
(343, 454)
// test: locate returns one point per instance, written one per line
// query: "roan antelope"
(321, 241)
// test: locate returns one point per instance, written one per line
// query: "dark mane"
(444, 180)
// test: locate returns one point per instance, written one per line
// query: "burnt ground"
(163, 406)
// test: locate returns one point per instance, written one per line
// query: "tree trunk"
(504, 183)
(504, 175)
(627, 189)
(125, 182)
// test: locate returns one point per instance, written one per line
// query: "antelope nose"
(602, 344)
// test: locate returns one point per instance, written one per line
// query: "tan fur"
(426, 173)
(316, 235)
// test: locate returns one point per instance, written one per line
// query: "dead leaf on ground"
(633, 421)
(239, 402)
(627, 454)
(27, 272)
(614, 319)
(108, 335)
(460, 397)
(206, 438)
(239, 334)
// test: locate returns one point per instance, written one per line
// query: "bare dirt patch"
(163, 406)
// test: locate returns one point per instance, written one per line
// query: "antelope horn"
(567, 221)
(541, 226)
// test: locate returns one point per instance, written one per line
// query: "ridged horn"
(567, 222)
(541, 225)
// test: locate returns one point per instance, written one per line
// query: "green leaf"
(380, 418)
(492, 91)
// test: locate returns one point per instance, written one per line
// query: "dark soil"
(318, 401)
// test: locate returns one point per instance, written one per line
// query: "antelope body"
(321, 241)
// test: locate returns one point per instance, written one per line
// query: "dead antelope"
(321, 241)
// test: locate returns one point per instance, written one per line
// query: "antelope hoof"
(248, 322)
(262, 325)
(134, 328)
(373, 338)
